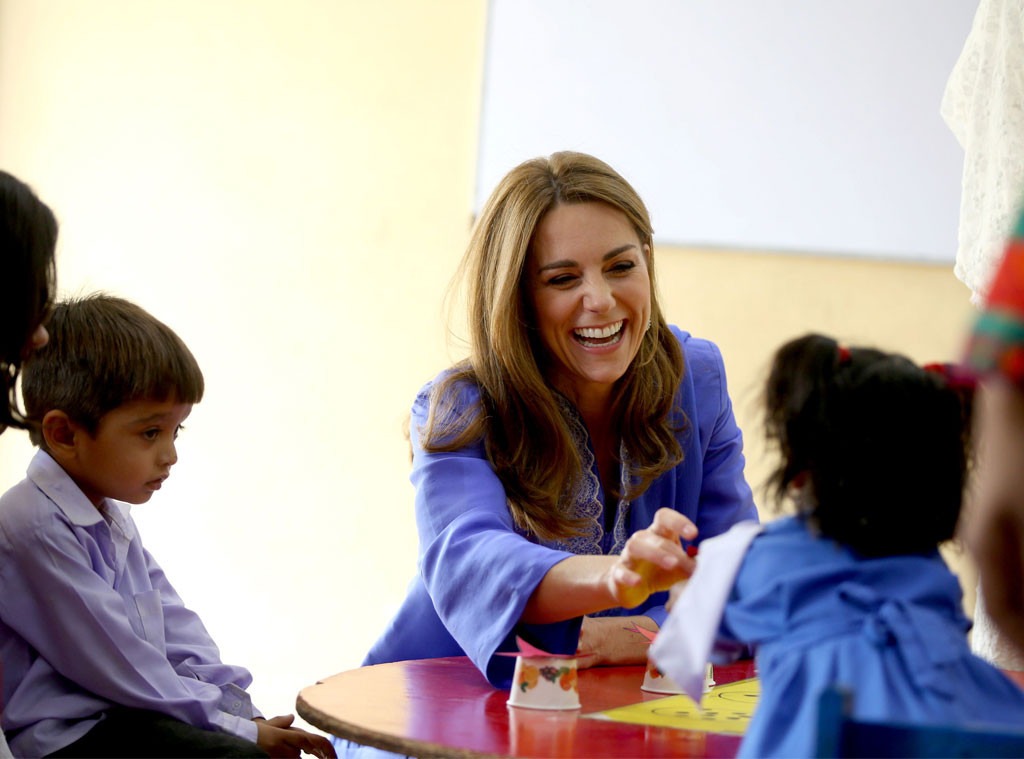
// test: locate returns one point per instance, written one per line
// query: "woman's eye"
(562, 280)
(151, 434)
(623, 266)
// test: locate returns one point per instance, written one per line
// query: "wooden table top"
(445, 708)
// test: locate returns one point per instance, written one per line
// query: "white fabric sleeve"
(683, 646)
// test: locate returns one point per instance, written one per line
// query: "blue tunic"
(477, 572)
(891, 629)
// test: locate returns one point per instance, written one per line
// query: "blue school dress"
(891, 629)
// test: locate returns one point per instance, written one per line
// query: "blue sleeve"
(478, 571)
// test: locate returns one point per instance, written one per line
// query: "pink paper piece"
(649, 634)
(532, 652)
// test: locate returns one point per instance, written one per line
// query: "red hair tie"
(956, 376)
(844, 354)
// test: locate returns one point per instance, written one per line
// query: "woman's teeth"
(592, 337)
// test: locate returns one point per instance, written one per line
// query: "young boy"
(100, 655)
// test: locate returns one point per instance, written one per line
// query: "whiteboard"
(787, 125)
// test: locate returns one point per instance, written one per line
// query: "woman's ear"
(59, 432)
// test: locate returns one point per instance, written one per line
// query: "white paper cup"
(656, 681)
(544, 683)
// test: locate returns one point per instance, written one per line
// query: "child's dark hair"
(104, 352)
(880, 445)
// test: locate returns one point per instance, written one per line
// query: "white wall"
(288, 185)
(781, 125)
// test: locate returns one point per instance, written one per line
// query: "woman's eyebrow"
(566, 263)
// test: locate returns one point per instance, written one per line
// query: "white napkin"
(684, 643)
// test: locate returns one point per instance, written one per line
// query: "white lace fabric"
(990, 644)
(983, 104)
(586, 496)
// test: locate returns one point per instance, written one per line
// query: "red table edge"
(427, 750)
(397, 745)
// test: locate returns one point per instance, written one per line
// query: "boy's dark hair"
(883, 444)
(28, 240)
(104, 352)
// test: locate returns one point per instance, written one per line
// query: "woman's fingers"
(669, 523)
(664, 551)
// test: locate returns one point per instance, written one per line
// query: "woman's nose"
(39, 338)
(598, 296)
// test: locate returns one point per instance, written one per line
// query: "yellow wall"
(289, 186)
(750, 303)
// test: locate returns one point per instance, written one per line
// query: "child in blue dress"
(851, 590)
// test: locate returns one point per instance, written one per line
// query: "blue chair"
(840, 735)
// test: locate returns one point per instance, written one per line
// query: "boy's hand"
(277, 737)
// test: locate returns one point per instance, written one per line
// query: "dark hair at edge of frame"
(519, 417)
(885, 445)
(28, 241)
(104, 352)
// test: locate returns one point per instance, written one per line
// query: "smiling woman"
(559, 466)
(591, 296)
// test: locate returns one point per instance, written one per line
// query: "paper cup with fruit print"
(656, 681)
(542, 680)
(545, 683)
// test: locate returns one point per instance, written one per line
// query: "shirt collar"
(50, 477)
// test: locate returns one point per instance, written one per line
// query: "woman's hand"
(611, 641)
(277, 737)
(652, 560)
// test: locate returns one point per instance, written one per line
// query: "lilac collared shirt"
(88, 621)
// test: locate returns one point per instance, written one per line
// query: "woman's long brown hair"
(519, 419)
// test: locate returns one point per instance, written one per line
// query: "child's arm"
(189, 647)
(995, 531)
(52, 597)
(193, 654)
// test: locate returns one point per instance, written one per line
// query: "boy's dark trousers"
(140, 733)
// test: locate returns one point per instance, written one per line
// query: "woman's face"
(591, 293)
(40, 337)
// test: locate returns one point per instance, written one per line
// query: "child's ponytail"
(795, 407)
(873, 448)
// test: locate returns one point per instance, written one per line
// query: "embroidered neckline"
(586, 495)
